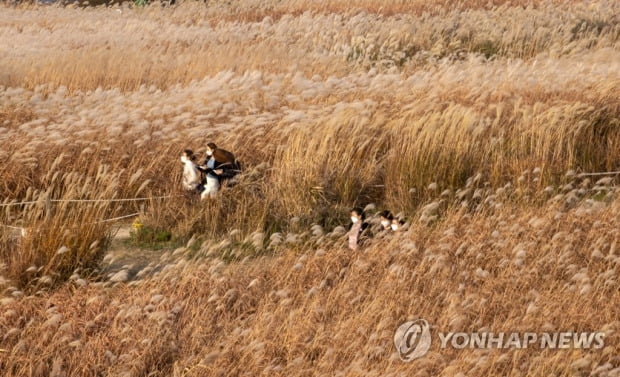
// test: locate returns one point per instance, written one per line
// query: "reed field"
(478, 121)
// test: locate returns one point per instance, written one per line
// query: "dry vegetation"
(464, 116)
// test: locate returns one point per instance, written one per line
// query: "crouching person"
(219, 165)
(212, 176)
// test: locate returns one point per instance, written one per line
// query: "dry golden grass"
(334, 313)
(129, 48)
(465, 117)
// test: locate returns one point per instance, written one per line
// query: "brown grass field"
(474, 119)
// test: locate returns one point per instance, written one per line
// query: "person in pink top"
(357, 227)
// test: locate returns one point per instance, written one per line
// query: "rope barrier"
(117, 218)
(598, 173)
(111, 200)
(22, 229)
(12, 227)
(19, 204)
(88, 200)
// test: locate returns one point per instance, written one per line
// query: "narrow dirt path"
(124, 262)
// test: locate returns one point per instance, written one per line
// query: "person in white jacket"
(192, 179)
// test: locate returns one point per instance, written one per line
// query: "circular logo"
(412, 339)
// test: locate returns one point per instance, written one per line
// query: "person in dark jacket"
(219, 165)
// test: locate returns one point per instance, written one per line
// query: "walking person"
(397, 224)
(385, 218)
(356, 228)
(381, 228)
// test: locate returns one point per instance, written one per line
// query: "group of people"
(220, 165)
(206, 179)
(360, 229)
